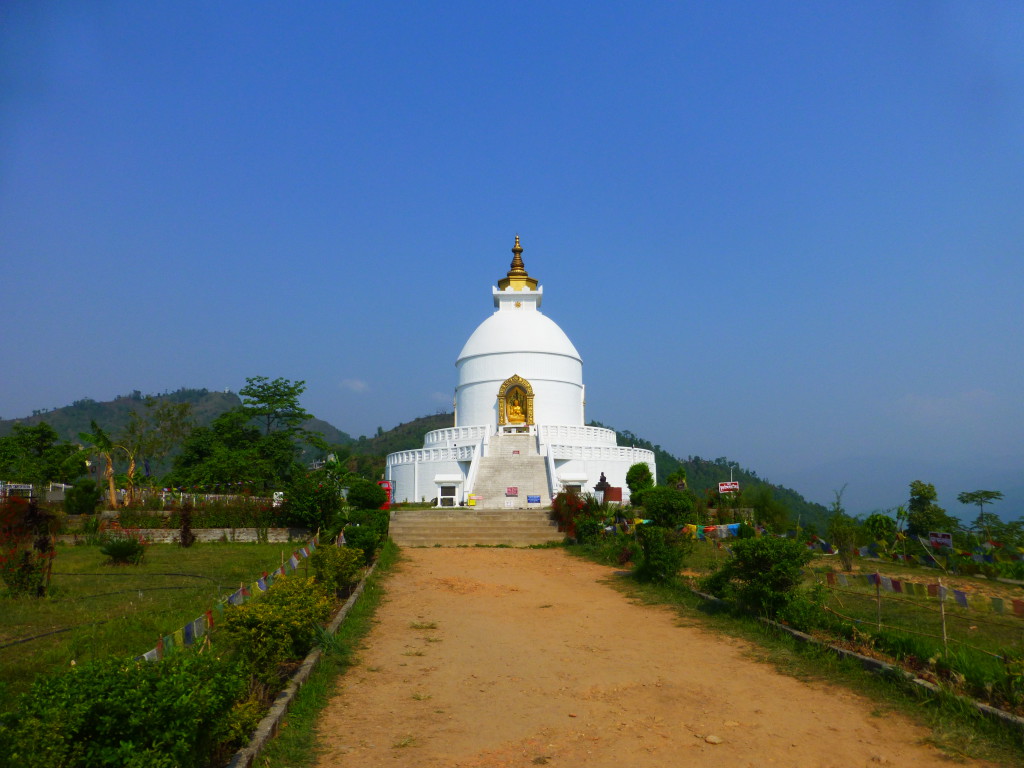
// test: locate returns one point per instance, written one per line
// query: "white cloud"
(355, 385)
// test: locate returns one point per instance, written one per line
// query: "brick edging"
(271, 722)
(884, 668)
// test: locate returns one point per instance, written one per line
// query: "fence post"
(942, 612)
(878, 599)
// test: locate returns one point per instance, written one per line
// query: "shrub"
(336, 567)
(364, 494)
(312, 501)
(365, 538)
(123, 546)
(278, 625)
(842, 532)
(666, 507)
(26, 546)
(763, 572)
(140, 714)
(566, 508)
(638, 477)
(588, 529)
(662, 553)
(82, 498)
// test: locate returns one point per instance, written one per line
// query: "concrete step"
(467, 526)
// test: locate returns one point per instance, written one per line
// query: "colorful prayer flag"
(961, 598)
(1018, 608)
(842, 580)
(150, 655)
(933, 590)
(997, 604)
(830, 577)
(897, 586)
(179, 638)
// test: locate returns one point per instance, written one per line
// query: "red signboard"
(512, 490)
(730, 486)
(939, 540)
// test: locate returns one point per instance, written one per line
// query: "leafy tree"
(638, 477)
(768, 511)
(365, 494)
(228, 452)
(981, 498)
(924, 514)
(880, 527)
(82, 498)
(667, 507)
(152, 435)
(104, 446)
(677, 479)
(274, 404)
(36, 455)
(312, 500)
(842, 531)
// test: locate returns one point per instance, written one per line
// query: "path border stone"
(271, 722)
(883, 668)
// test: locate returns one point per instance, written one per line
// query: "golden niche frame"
(507, 397)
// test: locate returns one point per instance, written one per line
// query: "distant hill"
(705, 474)
(404, 437)
(112, 415)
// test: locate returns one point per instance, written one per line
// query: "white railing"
(569, 434)
(461, 453)
(606, 452)
(441, 437)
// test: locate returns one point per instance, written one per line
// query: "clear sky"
(786, 233)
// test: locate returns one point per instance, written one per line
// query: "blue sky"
(786, 233)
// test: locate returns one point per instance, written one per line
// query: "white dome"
(522, 331)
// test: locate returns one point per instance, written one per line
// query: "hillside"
(404, 437)
(705, 474)
(112, 415)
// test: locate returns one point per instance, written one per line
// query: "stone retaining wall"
(170, 535)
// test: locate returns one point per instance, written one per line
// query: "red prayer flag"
(830, 577)
(209, 619)
(1018, 608)
(933, 590)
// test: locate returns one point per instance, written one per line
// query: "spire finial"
(518, 268)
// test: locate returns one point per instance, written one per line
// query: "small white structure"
(520, 428)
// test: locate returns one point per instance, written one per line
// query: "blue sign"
(533, 499)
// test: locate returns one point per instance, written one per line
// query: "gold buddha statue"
(514, 409)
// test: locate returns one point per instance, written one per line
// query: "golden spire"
(517, 277)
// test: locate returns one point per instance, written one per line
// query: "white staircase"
(512, 461)
(467, 526)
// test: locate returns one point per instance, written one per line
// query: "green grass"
(956, 727)
(97, 610)
(296, 744)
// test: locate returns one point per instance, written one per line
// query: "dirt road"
(501, 657)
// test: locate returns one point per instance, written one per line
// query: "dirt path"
(499, 657)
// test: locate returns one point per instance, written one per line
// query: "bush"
(123, 546)
(666, 507)
(588, 529)
(336, 567)
(364, 494)
(365, 538)
(278, 625)
(82, 498)
(638, 477)
(140, 714)
(662, 553)
(312, 501)
(763, 572)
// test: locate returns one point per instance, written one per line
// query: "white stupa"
(520, 434)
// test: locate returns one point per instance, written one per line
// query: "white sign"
(940, 539)
(730, 486)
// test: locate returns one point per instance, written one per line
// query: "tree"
(923, 514)
(104, 447)
(677, 479)
(880, 527)
(768, 510)
(842, 531)
(152, 435)
(274, 404)
(36, 455)
(981, 498)
(366, 494)
(667, 507)
(639, 477)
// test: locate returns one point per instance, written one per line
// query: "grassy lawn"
(97, 610)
